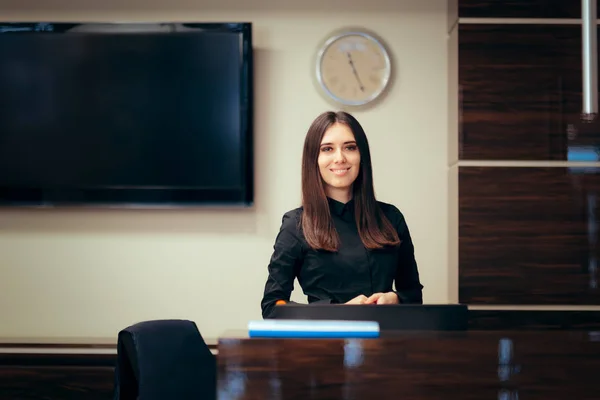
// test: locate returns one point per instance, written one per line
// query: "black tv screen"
(126, 114)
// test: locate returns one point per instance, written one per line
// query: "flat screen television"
(141, 114)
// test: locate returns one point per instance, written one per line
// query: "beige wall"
(74, 273)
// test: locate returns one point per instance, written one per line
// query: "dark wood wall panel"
(519, 8)
(533, 320)
(520, 92)
(529, 235)
(56, 376)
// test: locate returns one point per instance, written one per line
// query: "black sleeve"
(284, 264)
(408, 286)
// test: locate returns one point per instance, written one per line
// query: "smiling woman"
(343, 245)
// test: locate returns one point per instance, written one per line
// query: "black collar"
(340, 209)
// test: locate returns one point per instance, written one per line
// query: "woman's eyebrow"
(329, 144)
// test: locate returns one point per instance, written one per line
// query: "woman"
(343, 245)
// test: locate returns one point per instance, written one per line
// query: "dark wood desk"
(474, 365)
(43, 368)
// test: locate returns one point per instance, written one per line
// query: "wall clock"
(353, 68)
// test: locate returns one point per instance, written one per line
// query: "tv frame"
(89, 197)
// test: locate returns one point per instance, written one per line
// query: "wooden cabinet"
(528, 235)
(521, 91)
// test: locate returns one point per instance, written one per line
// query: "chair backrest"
(164, 359)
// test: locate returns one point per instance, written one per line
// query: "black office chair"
(164, 359)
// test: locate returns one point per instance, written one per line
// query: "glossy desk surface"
(414, 365)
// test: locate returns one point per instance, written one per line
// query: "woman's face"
(339, 160)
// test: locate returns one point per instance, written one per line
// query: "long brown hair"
(374, 228)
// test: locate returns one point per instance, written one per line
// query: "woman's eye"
(349, 148)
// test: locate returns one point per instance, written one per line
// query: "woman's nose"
(339, 156)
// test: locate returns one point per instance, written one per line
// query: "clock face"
(353, 68)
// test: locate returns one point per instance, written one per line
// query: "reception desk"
(542, 356)
(502, 365)
(502, 355)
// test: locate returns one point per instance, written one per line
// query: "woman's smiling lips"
(340, 171)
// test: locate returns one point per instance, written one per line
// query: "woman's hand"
(358, 300)
(382, 298)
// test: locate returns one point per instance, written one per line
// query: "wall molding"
(521, 164)
(522, 21)
(91, 349)
(529, 307)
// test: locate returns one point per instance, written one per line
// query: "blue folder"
(294, 328)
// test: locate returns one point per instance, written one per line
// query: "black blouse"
(337, 277)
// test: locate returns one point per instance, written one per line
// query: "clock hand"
(362, 88)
